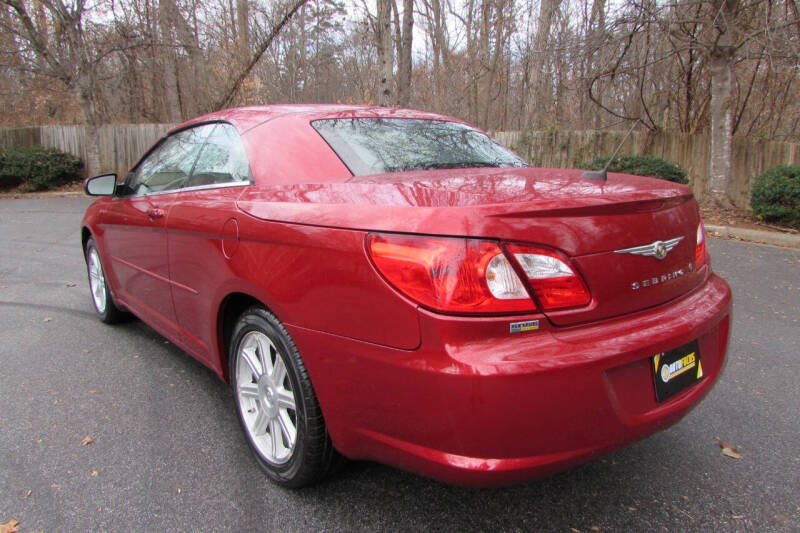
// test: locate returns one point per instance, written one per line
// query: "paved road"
(168, 454)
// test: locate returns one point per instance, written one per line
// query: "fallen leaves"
(12, 526)
(48, 319)
(87, 440)
(631, 508)
(54, 485)
(728, 450)
(95, 473)
(70, 284)
(737, 516)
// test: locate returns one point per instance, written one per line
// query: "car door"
(135, 229)
(203, 236)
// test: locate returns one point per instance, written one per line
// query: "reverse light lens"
(540, 266)
(700, 251)
(503, 282)
(552, 279)
(450, 274)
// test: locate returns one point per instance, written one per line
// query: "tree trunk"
(440, 54)
(404, 59)
(243, 33)
(383, 37)
(721, 139)
(172, 111)
(472, 64)
(597, 28)
(91, 163)
(721, 68)
(536, 101)
(482, 105)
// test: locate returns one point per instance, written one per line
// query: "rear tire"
(277, 407)
(107, 310)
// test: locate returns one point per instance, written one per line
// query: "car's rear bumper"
(477, 405)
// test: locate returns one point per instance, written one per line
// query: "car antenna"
(602, 175)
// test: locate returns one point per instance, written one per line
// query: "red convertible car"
(393, 285)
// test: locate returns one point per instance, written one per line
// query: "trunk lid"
(588, 220)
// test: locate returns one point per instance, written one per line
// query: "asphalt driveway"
(167, 454)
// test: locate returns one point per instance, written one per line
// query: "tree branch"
(231, 92)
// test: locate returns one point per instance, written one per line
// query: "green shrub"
(641, 165)
(37, 168)
(776, 195)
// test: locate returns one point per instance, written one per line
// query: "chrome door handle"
(155, 212)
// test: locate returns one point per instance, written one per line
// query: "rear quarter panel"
(321, 278)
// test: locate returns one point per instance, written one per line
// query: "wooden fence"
(751, 157)
(121, 145)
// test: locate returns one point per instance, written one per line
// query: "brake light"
(552, 279)
(700, 251)
(450, 274)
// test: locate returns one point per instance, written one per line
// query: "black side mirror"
(104, 185)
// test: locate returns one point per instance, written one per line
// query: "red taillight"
(551, 277)
(700, 251)
(450, 274)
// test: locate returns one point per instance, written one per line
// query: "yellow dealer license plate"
(676, 370)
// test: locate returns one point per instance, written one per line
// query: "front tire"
(107, 310)
(276, 403)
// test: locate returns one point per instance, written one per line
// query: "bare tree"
(70, 55)
(709, 40)
(539, 54)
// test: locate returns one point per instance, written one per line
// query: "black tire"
(103, 301)
(262, 401)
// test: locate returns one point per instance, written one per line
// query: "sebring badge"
(651, 282)
(657, 249)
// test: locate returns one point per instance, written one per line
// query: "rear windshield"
(378, 145)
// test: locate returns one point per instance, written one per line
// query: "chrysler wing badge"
(657, 249)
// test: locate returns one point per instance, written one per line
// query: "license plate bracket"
(677, 369)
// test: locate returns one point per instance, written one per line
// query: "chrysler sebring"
(394, 285)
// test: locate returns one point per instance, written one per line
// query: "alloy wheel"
(97, 281)
(266, 398)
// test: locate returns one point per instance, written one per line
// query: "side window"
(168, 167)
(222, 159)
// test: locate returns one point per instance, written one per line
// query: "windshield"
(378, 145)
